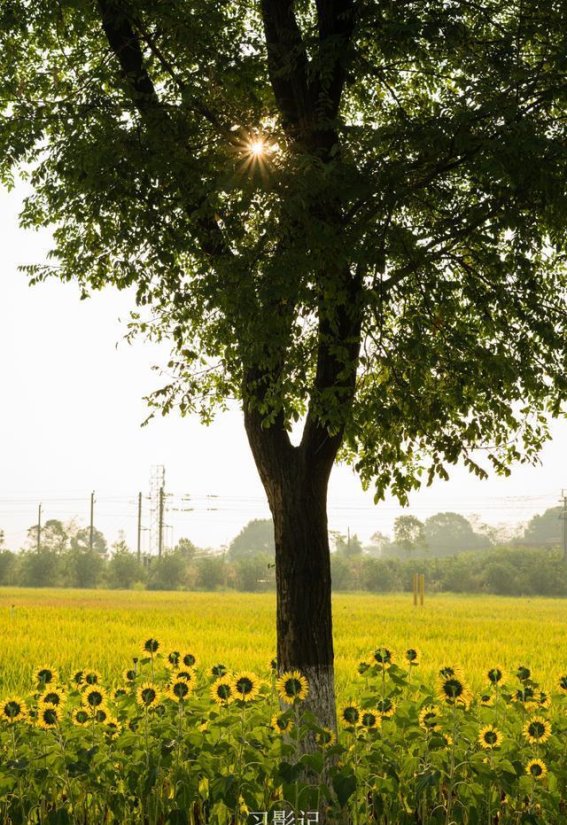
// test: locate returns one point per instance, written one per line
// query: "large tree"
(349, 215)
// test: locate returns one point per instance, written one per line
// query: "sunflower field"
(169, 735)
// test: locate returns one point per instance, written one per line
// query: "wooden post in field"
(421, 588)
(414, 584)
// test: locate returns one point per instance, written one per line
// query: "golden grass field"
(104, 629)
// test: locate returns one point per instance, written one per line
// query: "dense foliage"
(512, 571)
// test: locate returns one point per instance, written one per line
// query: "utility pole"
(563, 516)
(39, 529)
(160, 522)
(91, 527)
(139, 545)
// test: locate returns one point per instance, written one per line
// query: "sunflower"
(292, 686)
(102, 714)
(130, 675)
(113, 726)
(222, 691)
(525, 694)
(412, 656)
(174, 657)
(386, 708)
(48, 716)
(496, 675)
(349, 715)
(563, 683)
(537, 730)
(429, 718)
(536, 769)
(362, 667)
(94, 696)
(187, 674)
(150, 646)
(542, 699)
(383, 657)
(370, 720)
(81, 717)
(53, 696)
(179, 690)
(246, 686)
(274, 665)
(46, 676)
(490, 737)
(189, 660)
(118, 693)
(450, 671)
(13, 709)
(218, 670)
(523, 673)
(92, 677)
(487, 699)
(325, 737)
(78, 677)
(453, 691)
(281, 722)
(147, 696)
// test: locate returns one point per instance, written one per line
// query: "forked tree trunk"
(296, 488)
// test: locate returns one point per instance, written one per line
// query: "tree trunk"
(303, 579)
(296, 488)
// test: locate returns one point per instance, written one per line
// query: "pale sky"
(70, 424)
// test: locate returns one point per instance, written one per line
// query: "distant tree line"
(454, 555)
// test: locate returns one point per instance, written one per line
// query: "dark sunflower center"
(174, 657)
(45, 676)
(453, 688)
(130, 675)
(151, 645)
(244, 685)
(293, 687)
(536, 770)
(91, 678)
(223, 691)
(495, 675)
(148, 695)
(218, 670)
(50, 716)
(490, 737)
(94, 698)
(181, 689)
(351, 715)
(368, 720)
(100, 715)
(382, 655)
(523, 673)
(563, 683)
(384, 705)
(82, 716)
(447, 672)
(189, 660)
(536, 729)
(429, 720)
(53, 698)
(411, 655)
(12, 710)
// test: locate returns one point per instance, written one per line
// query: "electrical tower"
(157, 509)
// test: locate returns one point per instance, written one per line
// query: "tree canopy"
(408, 196)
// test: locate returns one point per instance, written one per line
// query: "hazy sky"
(70, 418)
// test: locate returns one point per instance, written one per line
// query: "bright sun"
(257, 148)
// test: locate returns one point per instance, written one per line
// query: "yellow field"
(103, 629)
